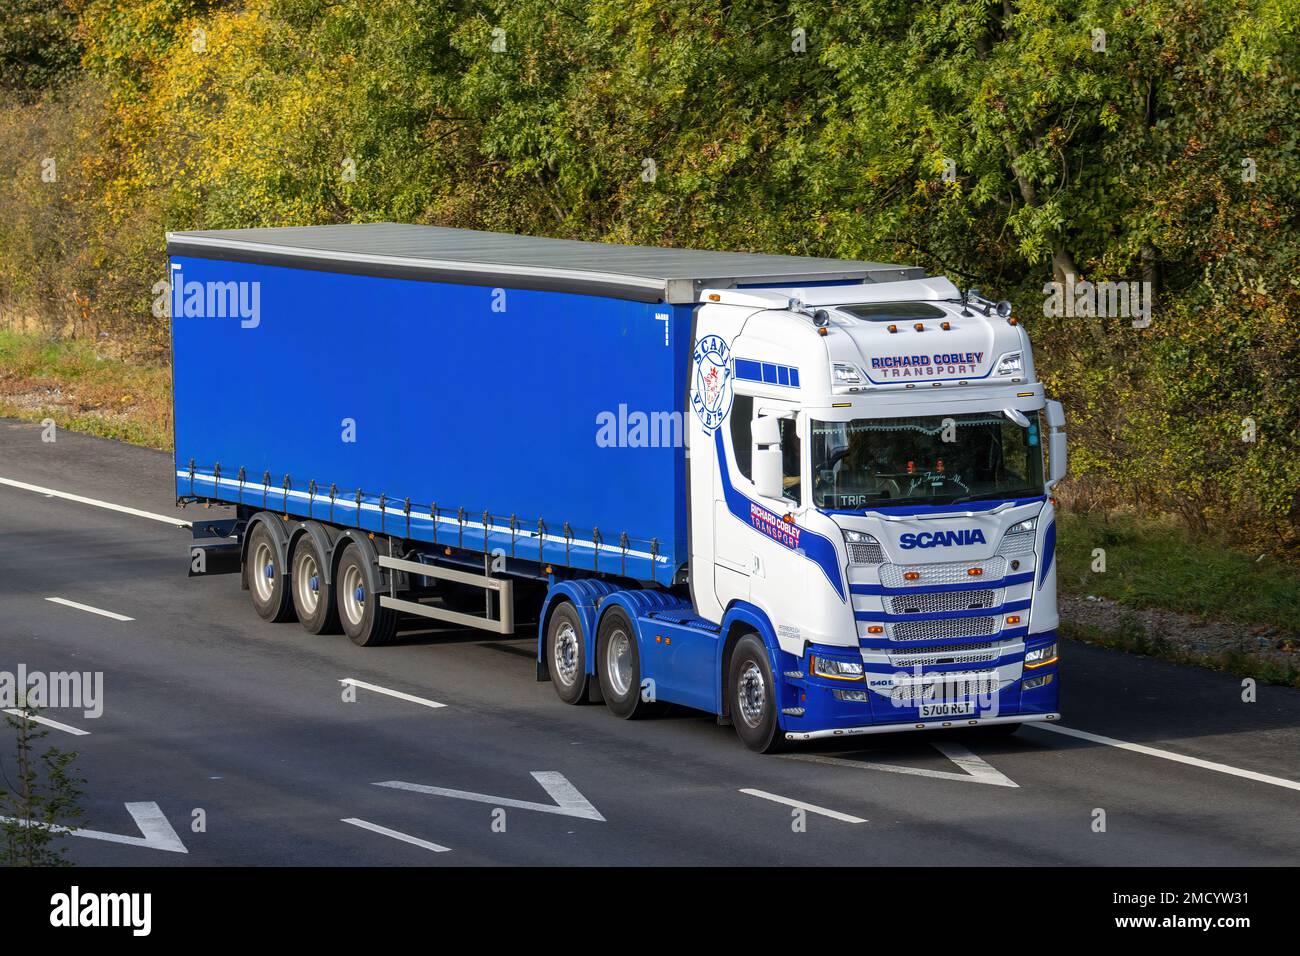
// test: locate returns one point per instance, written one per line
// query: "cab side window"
(742, 416)
(790, 459)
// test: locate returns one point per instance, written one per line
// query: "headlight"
(863, 548)
(846, 374)
(1041, 657)
(1009, 364)
(836, 669)
(1024, 527)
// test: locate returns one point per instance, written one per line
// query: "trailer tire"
(313, 595)
(566, 654)
(265, 578)
(357, 589)
(751, 697)
(618, 668)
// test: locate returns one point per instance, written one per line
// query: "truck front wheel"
(566, 654)
(751, 697)
(357, 589)
(265, 577)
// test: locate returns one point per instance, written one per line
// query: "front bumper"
(922, 725)
(811, 708)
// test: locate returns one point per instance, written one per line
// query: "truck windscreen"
(939, 459)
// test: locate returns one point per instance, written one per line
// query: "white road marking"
(391, 693)
(66, 728)
(81, 499)
(1170, 755)
(397, 835)
(148, 816)
(974, 770)
(568, 801)
(833, 814)
(86, 607)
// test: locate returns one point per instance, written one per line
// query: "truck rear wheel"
(357, 588)
(313, 598)
(566, 654)
(751, 697)
(264, 575)
(618, 667)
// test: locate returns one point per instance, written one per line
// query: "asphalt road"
(207, 708)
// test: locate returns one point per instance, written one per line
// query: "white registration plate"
(955, 709)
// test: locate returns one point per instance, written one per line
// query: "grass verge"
(81, 389)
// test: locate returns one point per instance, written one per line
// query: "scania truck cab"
(870, 474)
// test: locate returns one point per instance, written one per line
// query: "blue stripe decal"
(913, 510)
(1009, 581)
(811, 545)
(1049, 552)
(1010, 608)
(769, 373)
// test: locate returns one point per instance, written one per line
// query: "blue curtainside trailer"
(701, 485)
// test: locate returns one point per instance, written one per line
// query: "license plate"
(955, 709)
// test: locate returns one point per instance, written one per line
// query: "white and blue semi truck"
(811, 497)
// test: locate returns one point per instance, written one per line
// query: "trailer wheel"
(313, 598)
(357, 589)
(618, 667)
(566, 654)
(751, 697)
(265, 577)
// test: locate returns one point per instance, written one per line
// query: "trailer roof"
(433, 253)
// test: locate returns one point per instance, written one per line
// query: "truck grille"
(943, 601)
(891, 575)
(958, 686)
(934, 630)
(947, 654)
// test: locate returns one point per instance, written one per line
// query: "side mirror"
(1057, 456)
(766, 462)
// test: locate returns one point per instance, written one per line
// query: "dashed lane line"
(800, 805)
(92, 610)
(397, 835)
(391, 693)
(95, 502)
(35, 718)
(1169, 755)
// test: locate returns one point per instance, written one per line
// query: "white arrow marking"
(974, 770)
(833, 814)
(148, 816)
(397, 835)
(66, 728)
(568, 801)
(391, 693)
